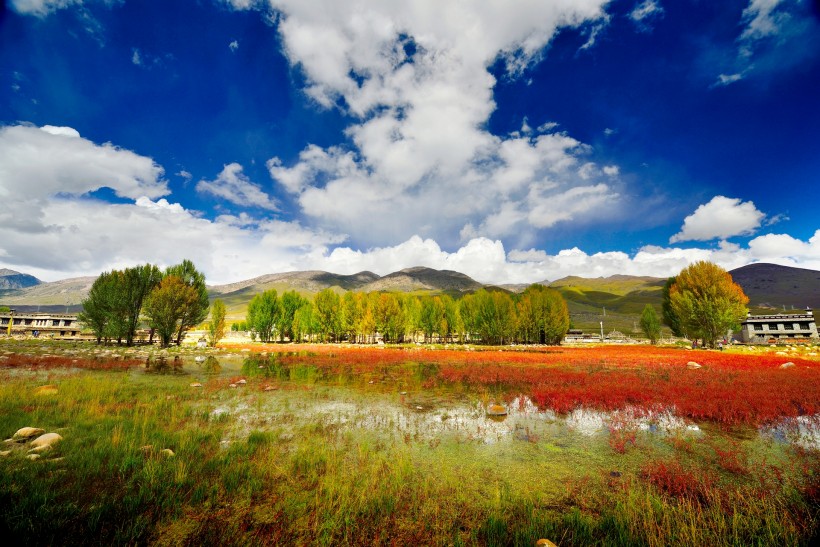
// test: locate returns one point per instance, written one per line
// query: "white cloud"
(645, 13)
(234, 186)
(185, 175)
(233, 46)
(721, 218)
(37, 163)
(611, 170)
(135, 57)
(415, 79)
(776, 35)
(41, 8)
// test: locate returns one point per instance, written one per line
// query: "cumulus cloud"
(721, 218)
(233, 46)
(415, 80)
(234, 186)
(36, 163)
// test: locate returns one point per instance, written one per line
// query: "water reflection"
(161, 365)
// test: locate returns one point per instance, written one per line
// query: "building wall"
(760, 329)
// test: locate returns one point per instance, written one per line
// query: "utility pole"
(602, 331)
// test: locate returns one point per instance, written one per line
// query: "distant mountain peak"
(11, 280)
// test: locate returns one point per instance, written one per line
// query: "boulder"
(691, 365)
(45, 442)
(26, 433)
(496, 410)
(167, 452)
(787, 365)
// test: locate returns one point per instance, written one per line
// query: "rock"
(33, 457)
(241, 382)
(780, 353)
(4, 453)
(45, 442)
(167, 452)
(26, 433)
(49, 389)
(196, 384)
(691, 365)
(496, 410)
(787, 365)
(199, 358)
(545, 543)
(231, 385)
(269, 388)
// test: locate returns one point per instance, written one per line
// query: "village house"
(778, 328)
(40, 324)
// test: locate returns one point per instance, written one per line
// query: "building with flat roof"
(771, 329)
(43, 324)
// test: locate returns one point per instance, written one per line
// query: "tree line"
(170, 302)
(538, 315)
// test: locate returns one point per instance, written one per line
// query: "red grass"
(677, 481)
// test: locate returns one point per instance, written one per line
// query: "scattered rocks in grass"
(787, 365)
(496, 410)
(25, 433)
(49, 389)
(45, 442)
(692, 365)
(196, 384)
(167, 452)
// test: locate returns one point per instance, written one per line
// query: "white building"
(765, 329)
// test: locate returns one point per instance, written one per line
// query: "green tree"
(196, 310)
(138, 281)
(352, 310)
(304, 323)
(669, 318)
(707, 301)
(167, 304)
(650, 324)
(328, 312)
(216, 327)
(264, 311)
(97, 306)
(432, 317)
(291, 301)
(543, 315)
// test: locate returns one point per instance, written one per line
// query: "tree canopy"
(707, 301)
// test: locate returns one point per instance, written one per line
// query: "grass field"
(368, 446)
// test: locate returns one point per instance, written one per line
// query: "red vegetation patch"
(675, 480)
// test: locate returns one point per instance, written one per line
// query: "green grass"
(272, 471)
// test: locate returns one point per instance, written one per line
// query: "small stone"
(787, 365)
(196, 384)
(496, 410)
(691, 365)
(49, 389)
(33, 457)
(545, 543)
(241, 382)
(167, 452)
(45, 442)
(269, 388)
(231, 385)
(26, 433)
(4, 453)
(419, 408)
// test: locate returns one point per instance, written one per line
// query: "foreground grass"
(286, 480)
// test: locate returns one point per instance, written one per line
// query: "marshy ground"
(280, 444)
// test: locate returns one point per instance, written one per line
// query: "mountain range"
(617, 300)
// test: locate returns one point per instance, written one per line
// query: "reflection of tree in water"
(211, 365)
(161, 365)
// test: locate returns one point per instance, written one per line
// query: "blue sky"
(514, 141)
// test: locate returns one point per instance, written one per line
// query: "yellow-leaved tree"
(707, 301)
